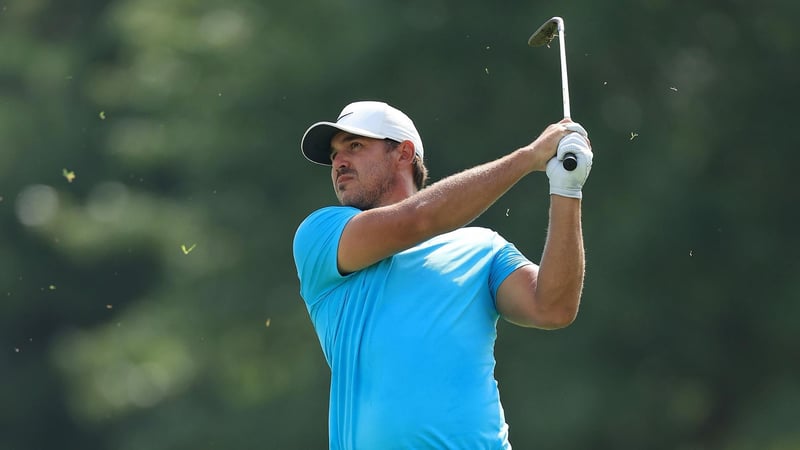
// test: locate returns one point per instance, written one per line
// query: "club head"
(545, 34)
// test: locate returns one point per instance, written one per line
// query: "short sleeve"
(506, 260)
(315, 247)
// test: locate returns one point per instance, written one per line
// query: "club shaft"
(564, 80)
(545, 35)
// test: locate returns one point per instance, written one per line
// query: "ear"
(406, 151)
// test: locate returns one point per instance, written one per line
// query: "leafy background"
(151, 182)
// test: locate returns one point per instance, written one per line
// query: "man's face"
(361, 170)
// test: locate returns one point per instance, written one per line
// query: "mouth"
(341, 182)
(344, 177)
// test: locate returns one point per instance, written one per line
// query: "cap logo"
(344, 115)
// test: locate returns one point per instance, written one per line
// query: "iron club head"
(545, 34)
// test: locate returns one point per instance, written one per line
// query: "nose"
(338, 160)
(338, 165)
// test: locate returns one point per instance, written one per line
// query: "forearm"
(459, 199)
(561, 270)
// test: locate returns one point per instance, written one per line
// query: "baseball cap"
(371, 119)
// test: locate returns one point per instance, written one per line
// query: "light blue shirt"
(410, 339)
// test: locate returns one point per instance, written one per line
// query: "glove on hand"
(576, 127)
(568, 183)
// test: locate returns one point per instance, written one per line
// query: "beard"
(367, 197)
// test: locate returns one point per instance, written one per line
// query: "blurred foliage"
(151, 181)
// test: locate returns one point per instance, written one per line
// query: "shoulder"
(329, 213)
(315, 249)
(325, 218)
(322, 227)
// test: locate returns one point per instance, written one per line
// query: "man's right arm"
(449, 204)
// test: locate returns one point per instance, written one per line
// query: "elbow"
(562, 321)
(521, 300)
(558, 308)
(550, 320)
(555, 322)
(557, 318)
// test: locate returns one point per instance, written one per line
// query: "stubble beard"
(367, 198)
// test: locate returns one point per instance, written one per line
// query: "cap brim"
(316, 142)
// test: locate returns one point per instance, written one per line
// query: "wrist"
(565, 205)
(566, 193)
(535, 161)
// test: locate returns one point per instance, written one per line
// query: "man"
(405, 299)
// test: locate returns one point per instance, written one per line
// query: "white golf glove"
(568, 183)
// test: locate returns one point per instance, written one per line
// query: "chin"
(357, 198)
(359, 203)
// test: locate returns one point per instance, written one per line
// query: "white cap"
(375, 120)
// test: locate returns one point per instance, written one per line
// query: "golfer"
(405, 298)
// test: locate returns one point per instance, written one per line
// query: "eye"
(355, 145)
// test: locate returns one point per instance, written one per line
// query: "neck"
(402, 188)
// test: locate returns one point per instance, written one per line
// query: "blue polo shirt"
(410, 339)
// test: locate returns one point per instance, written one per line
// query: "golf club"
(543, 36)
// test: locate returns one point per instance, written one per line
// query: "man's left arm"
(547, 296)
